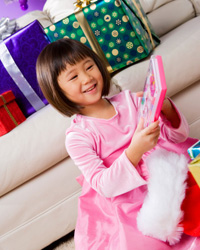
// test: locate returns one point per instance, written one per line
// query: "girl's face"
(82, 83)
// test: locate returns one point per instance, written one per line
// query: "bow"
(79, 4)
(7, 27)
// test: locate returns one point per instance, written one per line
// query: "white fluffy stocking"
(161, 214)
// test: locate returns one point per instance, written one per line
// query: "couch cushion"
(31, 16)
(150, 5)
(166, 18)
(196, 4)
(181, 58)
(188, 102)
(47, 202)
(32, 147)
(58, 9)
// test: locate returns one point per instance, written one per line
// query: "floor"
(65, 243)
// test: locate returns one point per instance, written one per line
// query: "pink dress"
(113, 190)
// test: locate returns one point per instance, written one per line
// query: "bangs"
(70, 53)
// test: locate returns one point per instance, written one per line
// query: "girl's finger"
(139, 94)
(152, 127)
(140, 124)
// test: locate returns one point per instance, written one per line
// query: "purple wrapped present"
(18, 56)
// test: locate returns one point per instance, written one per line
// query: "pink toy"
(154, 91)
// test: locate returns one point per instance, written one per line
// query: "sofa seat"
(38, 191)
(31, 148)
(36, 204)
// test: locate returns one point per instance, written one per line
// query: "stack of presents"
(117, 30)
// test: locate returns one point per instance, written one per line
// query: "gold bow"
(80, 4)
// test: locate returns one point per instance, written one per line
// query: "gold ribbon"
(144, 22)
(91, 38)
(8, 111)
(80, 4)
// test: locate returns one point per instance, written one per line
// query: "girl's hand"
(143, 140)
(139, 94)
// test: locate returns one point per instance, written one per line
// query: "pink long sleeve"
(120, 177)
(175, 135)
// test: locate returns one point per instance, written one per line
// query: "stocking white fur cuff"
(161, 212)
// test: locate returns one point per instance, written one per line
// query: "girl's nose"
(86, 77)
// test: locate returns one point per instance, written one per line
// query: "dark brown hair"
(53, 60)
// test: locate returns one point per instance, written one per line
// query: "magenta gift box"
(18, 56)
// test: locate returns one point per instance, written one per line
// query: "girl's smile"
(82, 83)
(90, 89)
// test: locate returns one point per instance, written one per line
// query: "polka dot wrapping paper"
(117, 30)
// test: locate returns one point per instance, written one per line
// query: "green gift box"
(117, 30)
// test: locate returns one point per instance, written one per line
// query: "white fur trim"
(161, 212)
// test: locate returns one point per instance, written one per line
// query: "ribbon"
(18, 78)
(80, 4)
(88, 32)
(144, 22)
(8, 111)
(91, 38)
(7, 27)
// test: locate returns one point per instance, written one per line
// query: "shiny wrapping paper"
(118, 31)
(10, 113)
(194, 167)
(24, 47)
(194, 151)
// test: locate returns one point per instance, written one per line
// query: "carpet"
(68, 245)
(65, 243)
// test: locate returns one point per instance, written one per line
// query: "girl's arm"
(120, 177)
(174, 126)
(170, 113)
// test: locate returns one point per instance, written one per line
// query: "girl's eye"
(74, 77)
(90, 67)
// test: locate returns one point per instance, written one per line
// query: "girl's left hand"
(139, 94)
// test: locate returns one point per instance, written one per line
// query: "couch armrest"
(166, 17)
(196, 4)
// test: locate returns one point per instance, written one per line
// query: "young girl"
(111, 150)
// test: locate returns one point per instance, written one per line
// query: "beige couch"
(38, 190)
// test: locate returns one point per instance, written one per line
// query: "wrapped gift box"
(118, 31)
(194, 150)
(10, 113)
(18, 56)
(68, 27)
(194, 167)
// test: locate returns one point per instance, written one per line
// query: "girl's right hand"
(143, 140)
